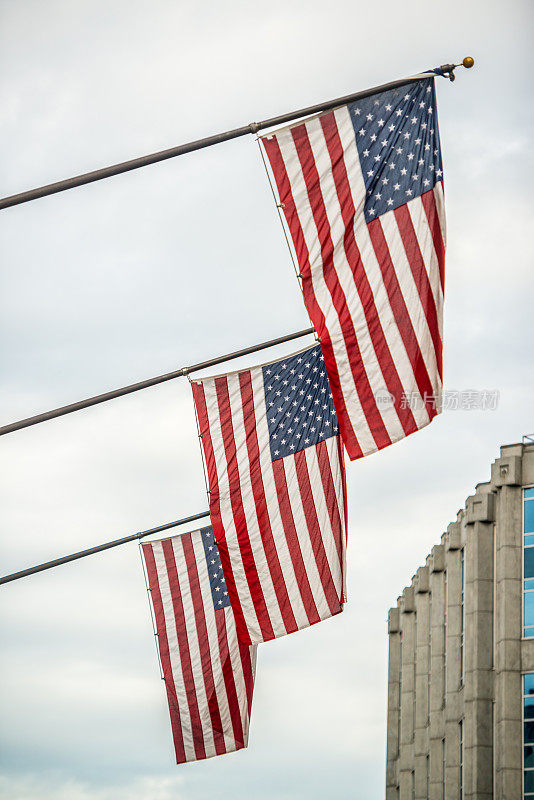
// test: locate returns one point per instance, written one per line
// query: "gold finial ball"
(468, 62)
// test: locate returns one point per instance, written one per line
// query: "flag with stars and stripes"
(361, 188)
(277, 492)
(208, 672)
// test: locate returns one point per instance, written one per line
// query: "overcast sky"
(146, 272)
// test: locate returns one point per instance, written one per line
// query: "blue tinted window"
(529, 492)
(529, 755)
(528, 607)
(529, 584)
(529, 632)
(529, 516)
(529, 540)
(529, 707)
(528, 683)
(529, 562)
(529, 732)
(529, 781)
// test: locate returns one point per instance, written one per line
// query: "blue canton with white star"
(300, 409)
(398, 144)
(219, 592)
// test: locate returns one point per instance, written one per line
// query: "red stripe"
(215, 510)
(431, 210)
(274, 154)
(315, 533)
(262, 513)
(183, 645)
(363, 387)
(327, 480)
(245, 653)
(229, 682)
(417, 266)
(399, 308)
(163, 644)
(290, 531)
(352, 252)
(203, 643)
(240, 522)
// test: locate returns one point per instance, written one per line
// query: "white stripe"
(273, 507)
(329, 537)
(227, 518)
(335, 454)
(304, 537)
(411, 296)
(400, 357)
(213, 640)
(429, 255)
(340, 264)
(237, 669)
(439, 197)
(248, 504)
(193, 644)
(349, 390)
(174, 651)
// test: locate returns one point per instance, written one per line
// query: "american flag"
(208, 673)
(362, 192)
(277, 492)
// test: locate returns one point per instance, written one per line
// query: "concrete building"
(461, 651)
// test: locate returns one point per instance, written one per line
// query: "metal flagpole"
(98, 549)
(135, 387)
(208, 141)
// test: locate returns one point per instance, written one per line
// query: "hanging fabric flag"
(208, 673)
(361, 188)
(277, 492)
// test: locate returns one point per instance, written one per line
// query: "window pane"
(528, 606)
(529, 632)
(529, 516)
(529, 707)
(529, 584)
(529, 732)
(529, 781)
(529, 492)
(528, 683)
(529, 756)
(529, 540)
(529, 562)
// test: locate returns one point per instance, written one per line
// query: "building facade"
(461, 651)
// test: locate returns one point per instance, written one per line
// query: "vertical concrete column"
(393, 727)
(406, 755)
(422, 676)
(508, 598)
(437, 648)
(453, 692)
(478, 620)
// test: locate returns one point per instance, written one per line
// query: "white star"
(369, 117)
(384, 142)
(426, 182)
(422, 104)
(390, 202)
(418, 141)
(276, 452)
(398, 112)
(361, 132)
(366, 153)
(370, 173)
(414, 120)
(406, 96)
(268, 371)
(409, 192)
(388, 107)
(415, 177)
(404, 171)
(306, 441)
(397, 186)
(399, 150)
(377, 158)
(406, 135)
(439, 173)
(384, 181)
(378, 196)
(356, 112)
(410, 156)
(373, 138)
(380, 122)
(372, 211)
(424, 126)
(391, 127)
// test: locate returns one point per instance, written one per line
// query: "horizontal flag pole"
(208, 141)
(99, 548)
(136, 387)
